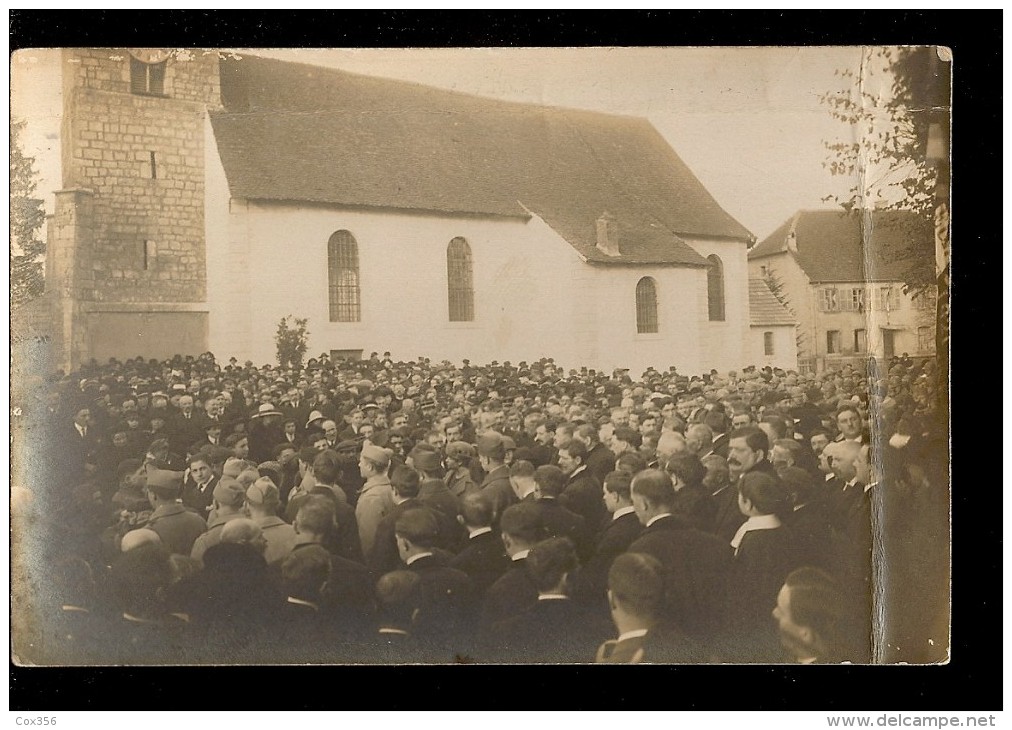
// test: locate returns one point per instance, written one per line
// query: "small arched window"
(147, 78)
(342, 278)
(715, 288)
(646, 306)
(460, 280)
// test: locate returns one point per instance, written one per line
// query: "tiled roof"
(291, 132)
(834, 246)
(764, 308)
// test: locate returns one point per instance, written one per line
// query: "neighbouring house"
(206, 196)
(773, 335)
(842, 276)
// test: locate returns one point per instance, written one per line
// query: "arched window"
(646, 306)
(342, 278)
(715, 288)
(460, 280)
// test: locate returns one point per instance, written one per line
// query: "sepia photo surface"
(544, 355)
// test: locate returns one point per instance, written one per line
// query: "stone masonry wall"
(109, 137)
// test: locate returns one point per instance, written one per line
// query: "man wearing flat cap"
(491, 455)
(375, 499)
(229, 498)
(262, 502)
(177, 527)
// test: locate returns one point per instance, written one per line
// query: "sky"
(747, 121)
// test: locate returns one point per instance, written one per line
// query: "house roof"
(834, 246)
(764, 307)
(292, 132)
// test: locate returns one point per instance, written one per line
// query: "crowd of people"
(371, 511)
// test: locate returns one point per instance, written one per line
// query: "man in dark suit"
(354, 421)
(544, 440)
(635, 596)
(748, 451)
(295, 408)
(491, 455)
(398, 595)
(186, 426)
(384, 557)
(845, 491)
(811, 615)
(484, 556)
(696, 563)
(348, 593)
(591, 582)
(851, 425)
(691, 500)
(718, 424)
(447, 599)
(807, 520)
(343, 539)
(521, 528)
(600, 459)
(582, 492)
(78, 448)
(555, 629)
(302, 627)
(198, 490)
(559, 521)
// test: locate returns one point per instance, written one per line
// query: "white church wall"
(609, 298)
(523, 274)
(725, 345)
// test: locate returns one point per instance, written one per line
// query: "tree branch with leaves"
(27, 215)
(887, 113)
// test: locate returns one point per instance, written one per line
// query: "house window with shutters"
(851, 299)
(886, 299)
(646, 306)
(860, 341)
(147, 78)
(343, 279)
(829, 299)
(715, 288)
(460, 280)
(925, 339)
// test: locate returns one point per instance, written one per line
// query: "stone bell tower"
(125, 268)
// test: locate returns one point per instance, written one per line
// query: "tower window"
(147, 78)
(154, 166)
(148, 253)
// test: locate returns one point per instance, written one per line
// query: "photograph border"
(962, 682)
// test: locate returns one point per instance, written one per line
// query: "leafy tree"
(27, 215)
(292, 341)
(898, 111)
(895, 96)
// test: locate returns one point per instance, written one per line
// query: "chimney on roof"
(607, 235)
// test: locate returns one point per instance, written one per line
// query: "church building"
(206, 196)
